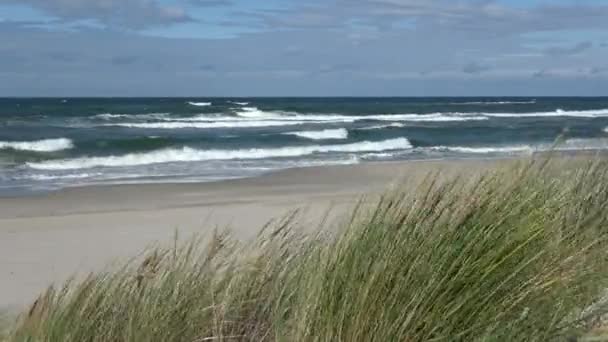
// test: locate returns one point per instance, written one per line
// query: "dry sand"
(47, 238)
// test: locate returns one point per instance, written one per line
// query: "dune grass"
(516, 254)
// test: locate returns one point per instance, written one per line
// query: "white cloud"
(117, 13)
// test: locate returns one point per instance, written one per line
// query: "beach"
(47, 238)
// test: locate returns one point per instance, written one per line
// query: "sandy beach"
(47, 238)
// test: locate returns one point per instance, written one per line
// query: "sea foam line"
(187, 154)
(45, 145)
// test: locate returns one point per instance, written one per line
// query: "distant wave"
(251, 117)
(493, 102)
(249, 113)
(239, 103)
(45, 145)
(187, 154)
(435, 117)
(326, 134)
(254, 112)
(559, 112)
(200, 104)
(207, 124)
(393, 125)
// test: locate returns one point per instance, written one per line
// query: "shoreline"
(46, 239)
(171, 181)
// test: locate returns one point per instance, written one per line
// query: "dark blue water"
(51, 143)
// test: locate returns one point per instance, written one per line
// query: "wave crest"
(187, 154)
(45, 145)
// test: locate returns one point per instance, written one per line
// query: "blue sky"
(303, 48)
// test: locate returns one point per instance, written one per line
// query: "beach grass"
(517, 253)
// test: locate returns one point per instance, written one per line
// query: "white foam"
(253, 117)
(239, 103)
(435, 117)
(326, 134)
(200, 104)
(575, 144)
(559, 112)
(59, 177)
(187, 154)
(393, 125)
(485, 149)
(110, 116)
(493, 102)
(207, 124)
(45, 145)
(253, 112)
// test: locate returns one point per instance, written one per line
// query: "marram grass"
(516, 254)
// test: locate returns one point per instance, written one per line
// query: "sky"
(303, 48)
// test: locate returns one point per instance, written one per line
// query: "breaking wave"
(187, 154)
(326, 134)
(45, 145)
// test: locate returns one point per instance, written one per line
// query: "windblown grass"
(516, 254)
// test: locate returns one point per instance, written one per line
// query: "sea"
(52, 143)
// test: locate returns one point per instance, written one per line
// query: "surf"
(188, 154)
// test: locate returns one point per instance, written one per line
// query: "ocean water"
(47, 144)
